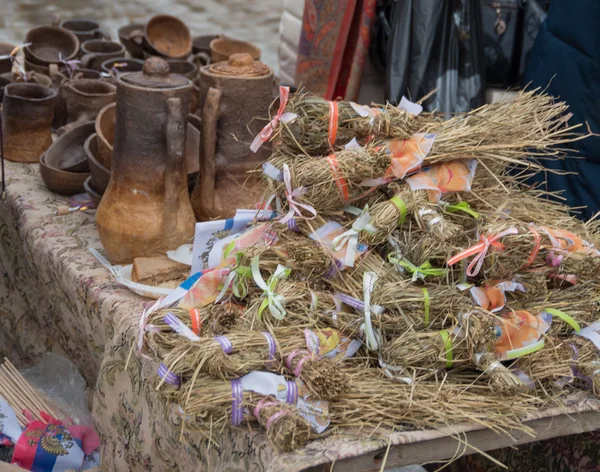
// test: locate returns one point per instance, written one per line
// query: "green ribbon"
(420, 272)
(445, 335)
(427, 304)
(272, 300)
(566, 318)
(462, 206)
(237, 280)
(401, 205)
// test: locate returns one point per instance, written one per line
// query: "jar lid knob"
(156, 67)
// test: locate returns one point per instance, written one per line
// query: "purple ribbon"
(271, 343)
(237, 398)
(351, 301)
(575, 370)
(292, 225)
(168, 376)
(292, 392)
(225, 344)
(334, 269)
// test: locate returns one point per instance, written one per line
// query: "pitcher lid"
(240, 65)
(155, 74)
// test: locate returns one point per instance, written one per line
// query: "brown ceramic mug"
(86, 97)
(5, 62)
(85, 30)
(185, 68)
(127, 34)
(27, 112)
(223, 47)
(96, 51)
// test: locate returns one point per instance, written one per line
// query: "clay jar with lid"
(146, 210)
(234, 100)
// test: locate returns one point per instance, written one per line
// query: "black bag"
(433, 44)
(509, 31)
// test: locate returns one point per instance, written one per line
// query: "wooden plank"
(447, 447)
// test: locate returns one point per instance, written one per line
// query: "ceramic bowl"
(100, 174)
(60, 181)
(94, 196)
(105, 129)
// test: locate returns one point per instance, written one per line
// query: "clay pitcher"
(232, 95)
(146, 210)
(27, 112)
(96, 51)
(86, 97)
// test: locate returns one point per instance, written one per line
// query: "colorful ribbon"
(350, 237)
(538, 245)
(237, 401)
(282, 115)
(236, 279)
(480, 251)
(369, 280)
(401, 206)
(462, 206)
(418, 273)
(196, 321)
(295, 207)
(340, 181)
(565, 317)
(169, 377)
(523, 351)
(333, 122)
(426, 305)
(445, 335)
(272, 300)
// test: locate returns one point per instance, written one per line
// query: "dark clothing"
(566, 55)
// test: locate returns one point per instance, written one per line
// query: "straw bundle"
(242, 352)
(309, 132)
(207, 407)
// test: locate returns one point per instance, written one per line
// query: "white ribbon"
(273, 300)
(350, 237)
(290, 194)
(282, 115)
(369, 280)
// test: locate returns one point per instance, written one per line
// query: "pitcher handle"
(87, 59)
(200, 59)
(174, 169)
(208, 162)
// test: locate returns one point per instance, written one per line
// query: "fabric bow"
(350, 237)
(480, 251)
(282, 115)
(418, 272)
(272, 300)
(236, 279)
(290, 194)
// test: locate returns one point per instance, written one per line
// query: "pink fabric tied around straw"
(295, 207)
(288, 362)
(480, 251)
(143, 326)
(263, 404)
(282, 115)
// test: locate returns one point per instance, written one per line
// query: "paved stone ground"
(256, 21)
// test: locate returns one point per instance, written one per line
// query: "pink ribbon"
(143, 322)
(282, 115)
(290, 194)
(480, 251)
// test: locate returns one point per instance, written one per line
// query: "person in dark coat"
(565, 60)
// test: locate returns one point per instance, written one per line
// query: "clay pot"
(185, 68)
(59, 79)
(126, 33)
(61, 181)
(27, 112)
(94, 195)
(105, 129)
(222, 48)
(146, 208)
(86, 97)
(67, 153)
(32, 77)
(6, 63)
(96, 51)
(229, 125)
(201, 49)
(50, 45)
(85, 30)
(166, 36)
(122, 65)
(99, 173)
